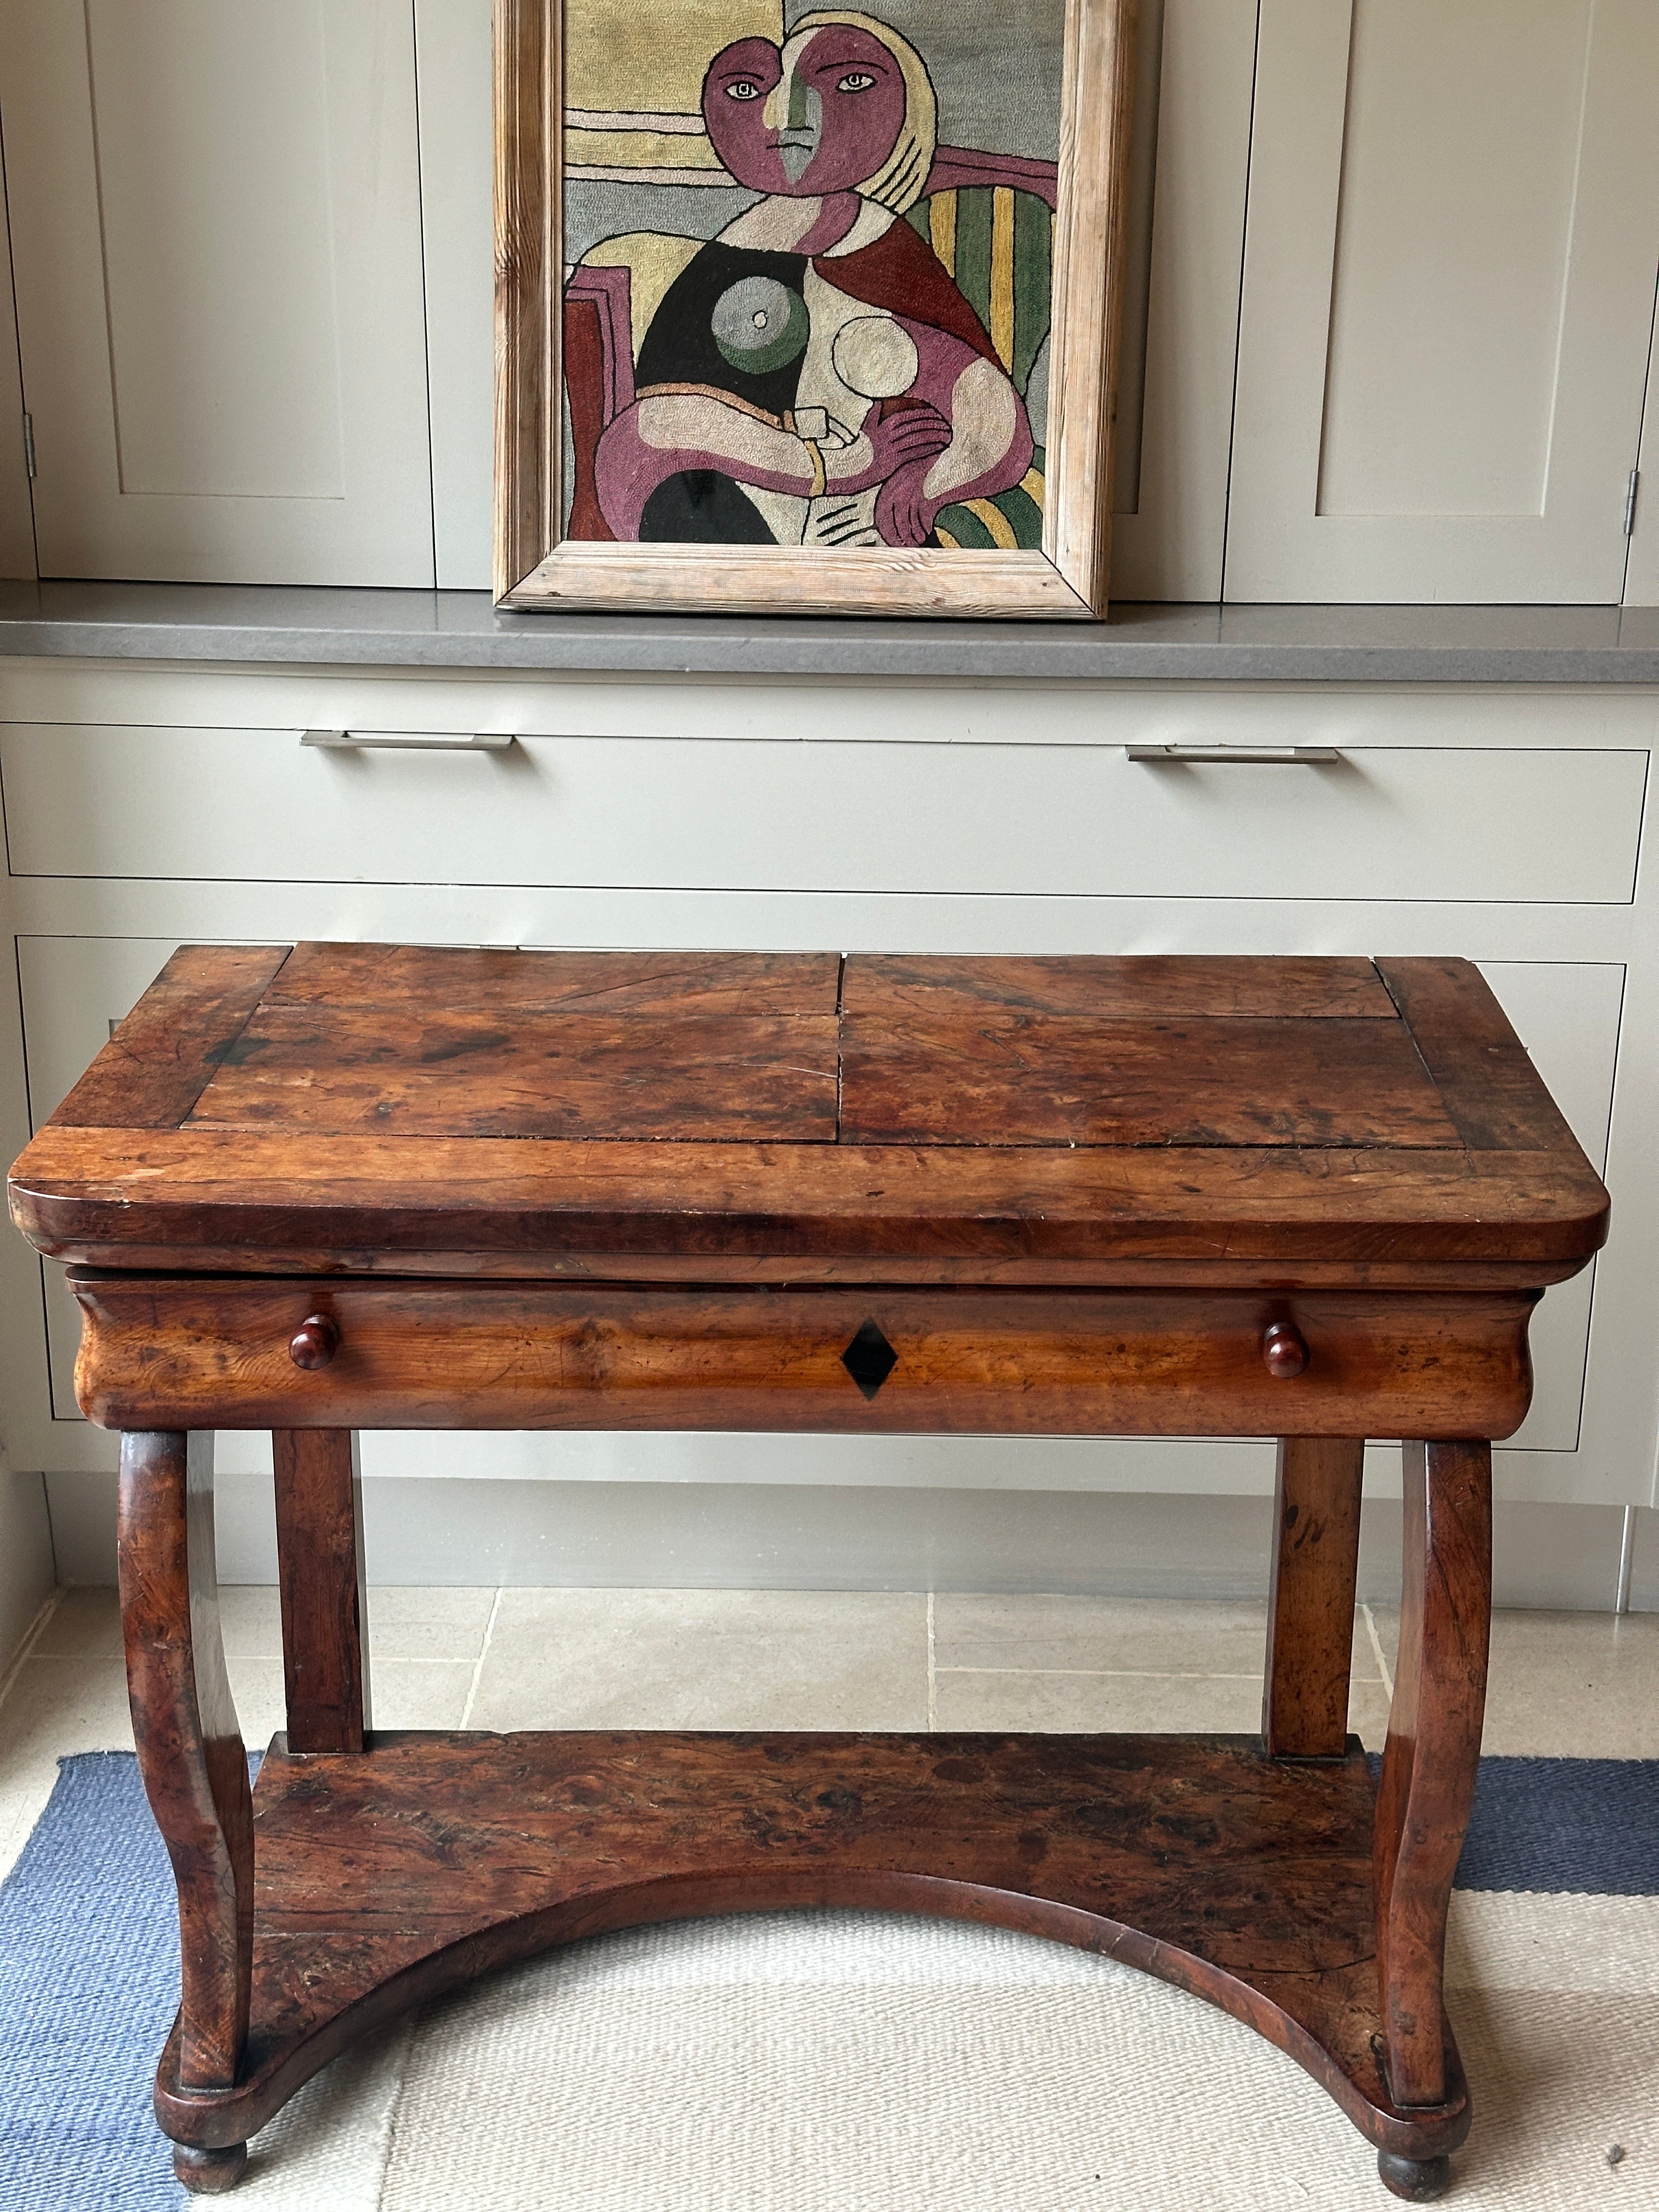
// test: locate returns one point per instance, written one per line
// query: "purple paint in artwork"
(820, 117)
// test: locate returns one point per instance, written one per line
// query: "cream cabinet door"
(452, 68)
(1449, 285)
(1189, 163)
(16, 510)
(217, 233)
(1642, 575)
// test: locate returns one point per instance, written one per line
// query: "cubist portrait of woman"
(847, 360)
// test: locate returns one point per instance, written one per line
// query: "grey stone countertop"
(315, 626)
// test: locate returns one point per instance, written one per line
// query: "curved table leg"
(1428, 1766)
(191, 1756)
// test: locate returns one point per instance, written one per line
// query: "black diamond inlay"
(869, 1358)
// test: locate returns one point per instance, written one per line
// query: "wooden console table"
(350, 1187)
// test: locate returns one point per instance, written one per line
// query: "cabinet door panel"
(17, 509)
(458, 240)
(215, 226)
(1642, 569)
(1449, 273)
(1191, 160)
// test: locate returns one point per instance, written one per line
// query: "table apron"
(192, 1352)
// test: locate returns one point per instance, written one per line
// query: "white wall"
(27, 1568)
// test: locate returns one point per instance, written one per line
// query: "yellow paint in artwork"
(942, 229)
(1031, 485)
(1001, 530)
(1002, 274)
(952, 544)
(653, 260)
(643, 57)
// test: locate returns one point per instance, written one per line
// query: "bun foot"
(1418, 2180)
(207, 2172)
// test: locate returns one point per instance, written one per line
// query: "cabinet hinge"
(1634, 478)
(28, 444)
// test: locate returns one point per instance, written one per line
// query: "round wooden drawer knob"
(315, 1341)
(1285, 1349)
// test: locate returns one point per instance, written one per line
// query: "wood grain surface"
(1492, 1090)
(1219, 1121)
(943, 1077)
(1310, 1596)
(386, 1878)
(1141, 986)
(155, 1065)
(525, 1206)
(1433, 1748)
(725, 1077)
(483, 979)
(1090, 254)
(189, 1743)
(320, 1566)
(887, 580)
(528, 207)
(444, 1355)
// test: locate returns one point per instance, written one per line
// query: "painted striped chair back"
(997, 242)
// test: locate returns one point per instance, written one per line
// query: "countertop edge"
(290, 627)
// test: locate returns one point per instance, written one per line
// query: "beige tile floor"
(1562, 1683)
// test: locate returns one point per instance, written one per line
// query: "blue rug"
(89, 1933)
(89, 1986)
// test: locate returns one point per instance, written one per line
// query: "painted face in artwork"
(821, 116)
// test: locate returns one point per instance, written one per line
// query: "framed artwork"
(808, 309)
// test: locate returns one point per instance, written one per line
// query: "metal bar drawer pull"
(1239, 756)
(407, 741)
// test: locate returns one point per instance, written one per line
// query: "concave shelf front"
(385, 1876)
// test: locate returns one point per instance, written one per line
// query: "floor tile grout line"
(1383, 1668)
(483, 1653)
(932, 1672)
(1108, 1673)
(32, 1635)
(377, 1658)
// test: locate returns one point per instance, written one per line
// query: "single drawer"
(184, 1352)
(1374, 822)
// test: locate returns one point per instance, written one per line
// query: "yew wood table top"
(736, 1117)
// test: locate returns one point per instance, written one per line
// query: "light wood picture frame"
(541, 563)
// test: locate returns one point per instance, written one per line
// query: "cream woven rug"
(813, 2061)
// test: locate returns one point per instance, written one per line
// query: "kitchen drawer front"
(1566, 1013)
(178, 1353)
(1532, 824)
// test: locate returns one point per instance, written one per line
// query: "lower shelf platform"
(386, 1876)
